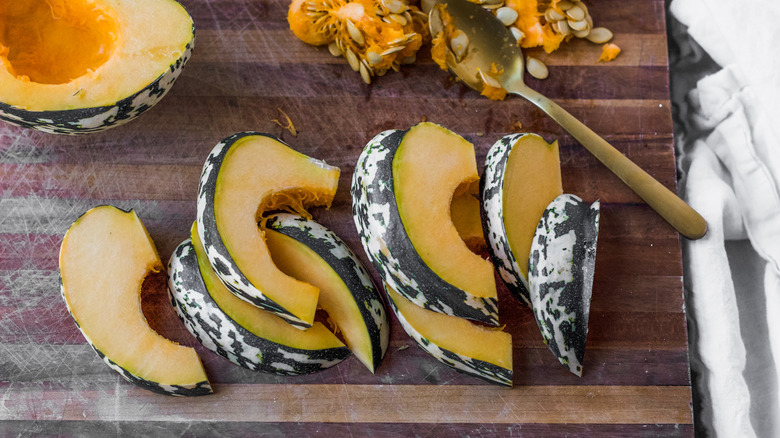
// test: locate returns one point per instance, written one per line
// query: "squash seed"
(578, 25)
(409, 59)
(565, 5)
(517, 33)
(562, 27)
(374, 58)
(581, 33)
(582, 6)
(394, 6)
(364, 73)
(488, 80)
(599, 35)
(392, 50)
(398, 19)
(575, 13)
(458, 43)
(334, 49)
(506, 15)
(553, 15)
(536, 68)
(493, 2)
(353, 60)
(355, 33)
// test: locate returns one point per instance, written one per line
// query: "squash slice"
(482, 352)
(238, 331)
(402, 192)
(310, 252)
(104, 258)
(79, 66)
(246, 175)
(522, 176)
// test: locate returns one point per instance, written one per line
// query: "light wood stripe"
(281, 46)
(328, 403)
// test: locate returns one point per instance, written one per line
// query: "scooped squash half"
(402, 191)
(80, 66)
(522, 176)
(238, 331)
(310, 252)
(104, 258)
(482, 352)
(244, 176)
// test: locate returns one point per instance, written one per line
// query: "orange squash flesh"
(299, 261)
(260, 173)
(104, 258)
(429, 165)
(455, 334)
(260, 322)
(532, 180)
(55, 41)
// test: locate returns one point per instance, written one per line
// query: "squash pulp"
(429, 166)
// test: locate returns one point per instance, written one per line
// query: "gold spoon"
(490, 42)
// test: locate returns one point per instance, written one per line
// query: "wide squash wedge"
(402, 191)
(481, 352)
(238, 331)
(522, 176)
(244, 176)
(310, 252)
(104, 258)
(81, 66)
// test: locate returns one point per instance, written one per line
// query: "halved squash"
(310, 252)
(238, 331)
(478, 351)
(104, 258)
(402, 190)
(522, 176)
(244, 176)
(560, 273)
(80, 66)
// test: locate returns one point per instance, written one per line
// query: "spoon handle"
(679, 214)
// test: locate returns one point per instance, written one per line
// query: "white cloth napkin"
(732, 177)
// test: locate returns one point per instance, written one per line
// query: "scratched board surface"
(246, 66)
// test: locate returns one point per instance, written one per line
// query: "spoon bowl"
(491, 47)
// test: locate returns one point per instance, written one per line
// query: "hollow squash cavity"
(55, 41)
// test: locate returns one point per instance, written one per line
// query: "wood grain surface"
(245, 67)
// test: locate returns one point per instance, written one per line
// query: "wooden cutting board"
(247, 67)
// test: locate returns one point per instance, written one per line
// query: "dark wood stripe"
(209, 429)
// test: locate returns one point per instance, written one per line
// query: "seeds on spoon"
(459, 41)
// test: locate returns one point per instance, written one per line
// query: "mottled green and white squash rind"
(216, 251)
(345, 263)
(561, 267)
(467, 365)
(99, 118)
(222, 335)
(492, 189)
(382, 234)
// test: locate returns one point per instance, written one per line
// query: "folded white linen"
(732, 178)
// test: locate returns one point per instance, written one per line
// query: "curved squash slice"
(402, 190)
(246, 175)
(104, 258)
(522, 176)
(479, 351)
(310, 252)
(79, 66)
(238, 331)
